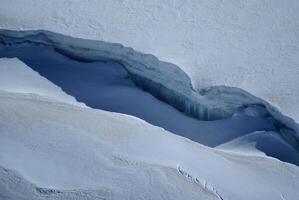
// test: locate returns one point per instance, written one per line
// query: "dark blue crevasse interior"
(106, 85)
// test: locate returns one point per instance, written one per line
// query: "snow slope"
(68, 148)
(15, 76)
(251, 44)
(52, 147)
(262, 143)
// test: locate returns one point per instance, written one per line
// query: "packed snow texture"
(250, 44)
(66, 149)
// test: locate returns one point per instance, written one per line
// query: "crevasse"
(164, 80)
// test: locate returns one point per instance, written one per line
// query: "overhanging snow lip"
(164, 80)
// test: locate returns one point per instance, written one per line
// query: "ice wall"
(164, 80)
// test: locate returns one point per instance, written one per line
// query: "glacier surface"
(233, 64)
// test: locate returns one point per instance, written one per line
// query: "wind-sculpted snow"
(164, 80)
(15, 187)
(53, 150)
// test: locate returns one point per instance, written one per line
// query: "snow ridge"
(164, 80)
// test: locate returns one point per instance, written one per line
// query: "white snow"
(262, 143)
(15, 76)
(53, 146)
(78, 152)
(64, 147)
(250, 44)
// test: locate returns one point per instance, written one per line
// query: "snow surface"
(15, 76)
(52, 147)
(261, 143)
(250, 44)
(68, 148)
